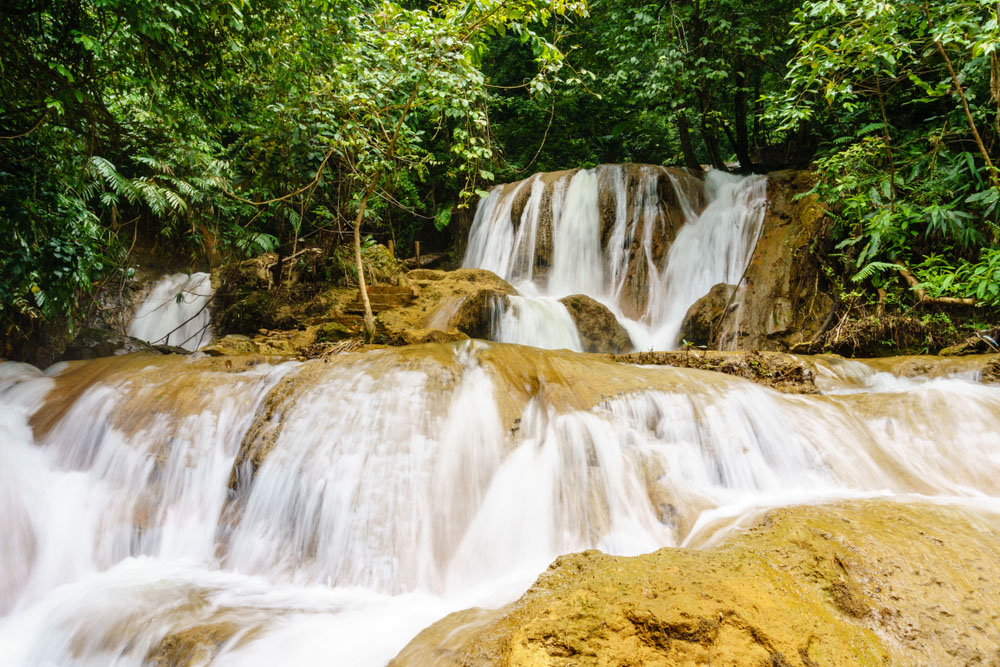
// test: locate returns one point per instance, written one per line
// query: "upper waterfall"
(645, 241)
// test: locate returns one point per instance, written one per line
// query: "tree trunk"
(742, 144)
(369, 317)
(690, 159)
(991, 170)
(711, 137)
(280, 250)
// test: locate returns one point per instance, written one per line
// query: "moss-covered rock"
(249, 314)
(332, 332)
(785, 372)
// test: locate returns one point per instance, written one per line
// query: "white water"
(176, 312)
(714, 246)
(397, 489)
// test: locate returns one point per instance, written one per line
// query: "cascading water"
(176, 312)
(563, 243)
(324, 512)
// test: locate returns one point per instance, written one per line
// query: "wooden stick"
(922, 297)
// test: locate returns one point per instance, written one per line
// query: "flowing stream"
(160, 510)
(229, 511)
(714, 245)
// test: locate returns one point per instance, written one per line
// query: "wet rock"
(784, 305)
(421, 336)
(991, 372)
(197, 645)
(785, 372)
(828, 585)
(597, 326)
(478, 313)
(651, 199)
(95, 343)
(331, 332)
(707, 316)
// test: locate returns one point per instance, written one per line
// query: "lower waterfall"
(324, 512)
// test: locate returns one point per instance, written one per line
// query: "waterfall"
(324, 512)
(715, 247)
(540, 321)
(176, 312)
(614, 254)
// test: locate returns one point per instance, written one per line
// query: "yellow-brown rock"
(855, 583)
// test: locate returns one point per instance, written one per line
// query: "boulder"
(597, 326)
(785, 305)
(707, 316)
(465, 302)
(96, 343)
(478, 313)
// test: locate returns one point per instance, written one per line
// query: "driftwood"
(430, 259)
(922, 297)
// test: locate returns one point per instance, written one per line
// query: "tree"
(410, 74)
(905, 91)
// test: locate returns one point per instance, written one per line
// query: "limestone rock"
(651, 198)
(787, 373)
(233, 344)
(420, 336)
(478, 312)
(597, 326)
(857, 583)
(707, 316)
(464, 302)
(783, 304)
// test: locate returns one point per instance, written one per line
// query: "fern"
(872, 268)
(177, 204)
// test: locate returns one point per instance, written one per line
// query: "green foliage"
(656, 76)
(234, 130)
(230, 129)
(903, 91)
(979, 279)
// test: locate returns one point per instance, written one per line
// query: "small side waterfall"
(604, 233)
(176, 312)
